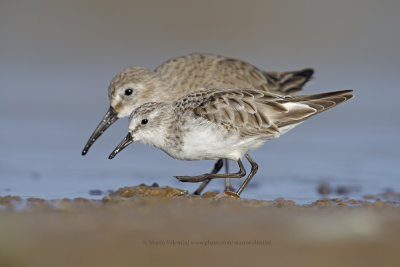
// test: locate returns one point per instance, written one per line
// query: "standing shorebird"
(223, 124)
(135, 86)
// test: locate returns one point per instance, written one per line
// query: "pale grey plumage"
(223, 123)
(181, 75)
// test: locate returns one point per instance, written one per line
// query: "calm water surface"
(42, 159)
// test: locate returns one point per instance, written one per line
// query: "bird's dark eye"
(144, 121)
(128, 91)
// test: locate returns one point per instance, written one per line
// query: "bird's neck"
(160, 91)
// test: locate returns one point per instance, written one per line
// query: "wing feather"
(252, 112)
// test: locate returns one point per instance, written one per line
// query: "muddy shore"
(152, 226)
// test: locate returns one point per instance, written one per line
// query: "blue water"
(41, 158)
(54, 74)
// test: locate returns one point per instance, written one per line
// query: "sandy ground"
(152, 226)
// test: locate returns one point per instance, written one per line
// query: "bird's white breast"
(206, 140)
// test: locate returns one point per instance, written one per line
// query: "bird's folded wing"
(253, 112)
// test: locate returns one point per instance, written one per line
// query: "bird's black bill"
(127, 140)
(108, 119)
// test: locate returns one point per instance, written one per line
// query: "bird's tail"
(317, 102)
(324, 101)
(288, 82)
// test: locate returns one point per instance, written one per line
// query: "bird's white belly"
(214, 142)
(207, 144)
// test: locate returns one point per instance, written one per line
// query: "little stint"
(176, 77)
(222, 124)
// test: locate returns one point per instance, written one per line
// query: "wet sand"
(152, 226)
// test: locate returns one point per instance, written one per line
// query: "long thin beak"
(108, 119)
(127, 141)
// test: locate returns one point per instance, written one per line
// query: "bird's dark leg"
(254, 168)
(206, 176)
(228, 187)
(217, 167)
